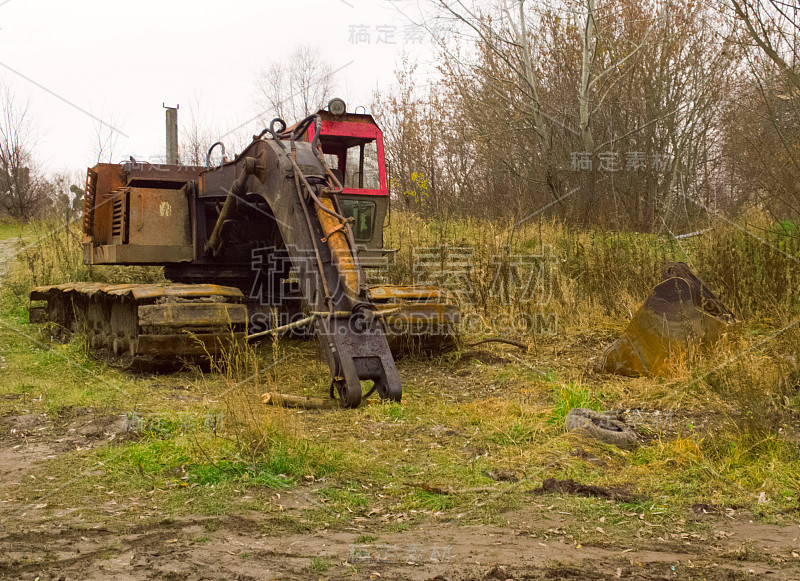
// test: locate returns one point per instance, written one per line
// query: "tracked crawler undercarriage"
(146, 326)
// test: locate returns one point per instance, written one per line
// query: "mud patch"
(29, 439)
(245, 547)
(24, 425)
(296, 500)
(569, 486)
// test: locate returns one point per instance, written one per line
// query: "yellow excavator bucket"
(680, 313)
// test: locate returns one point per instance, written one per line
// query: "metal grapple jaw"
(357, 350)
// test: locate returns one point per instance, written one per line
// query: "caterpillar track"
(144, 326)
(426, 320)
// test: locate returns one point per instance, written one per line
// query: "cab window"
(362, 167)
(353, 160)
(363, 213)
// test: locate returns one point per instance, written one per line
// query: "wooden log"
(299, 401)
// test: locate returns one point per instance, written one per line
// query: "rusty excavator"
(275, 240)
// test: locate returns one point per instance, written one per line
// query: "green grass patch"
(351, 497)
(199, 458)
(569, 396)
(12, 229)
(319, 564)
(424, 500)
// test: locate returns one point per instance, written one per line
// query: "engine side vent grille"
(119, 217)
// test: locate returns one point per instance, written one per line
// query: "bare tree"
(295, 88)
(22, 189)
(599, 110)
(762, 132)
(523, 63)
(106, 138)
(196, 136)
(774, 26)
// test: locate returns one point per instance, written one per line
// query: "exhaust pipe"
(172, 134)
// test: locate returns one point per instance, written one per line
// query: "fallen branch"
(299, 401)
(284, 328)
(507, 341)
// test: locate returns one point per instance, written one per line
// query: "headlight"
(337, 106)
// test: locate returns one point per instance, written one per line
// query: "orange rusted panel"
(421, 306)
(158, 217)
(394, 292)
(192, 314)
(340, 249)
(109, 179)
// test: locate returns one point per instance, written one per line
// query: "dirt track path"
(235, 547)
(8, 249)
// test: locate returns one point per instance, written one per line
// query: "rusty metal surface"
(143, 324)
(192, 314)
(681, 314)
(156, 175)
(395, 292)
(158, 217)
(139, 291)
(168, 214)
(37, 315)
(427, 321)
(136, 254)
(109, 179)
(336, 239)
(419, 304)
(88, 202)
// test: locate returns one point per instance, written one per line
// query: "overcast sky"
(77, 62)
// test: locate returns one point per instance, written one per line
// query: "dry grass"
(596, 277)
(538, 269)
(51, 253)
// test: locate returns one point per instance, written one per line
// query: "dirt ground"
(7, 250)
(46, 540)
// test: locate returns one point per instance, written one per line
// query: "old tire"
(601, 427)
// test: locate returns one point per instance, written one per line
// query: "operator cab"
(353, 147)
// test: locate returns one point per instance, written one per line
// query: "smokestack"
(172, 134)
